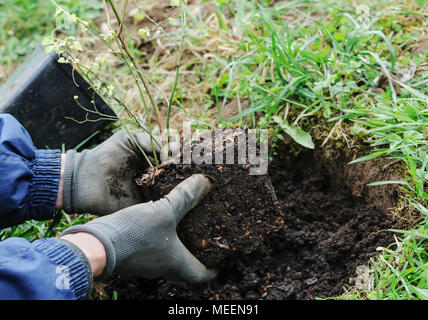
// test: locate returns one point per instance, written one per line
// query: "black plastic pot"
(40, 94)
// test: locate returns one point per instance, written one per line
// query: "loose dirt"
(239, 211)
(331, 229)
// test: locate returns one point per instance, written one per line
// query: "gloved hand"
(100, 181)
(142, 240)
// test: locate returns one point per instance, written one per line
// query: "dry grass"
(204, 43)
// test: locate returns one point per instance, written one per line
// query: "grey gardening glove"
(100, 181)
(142, 240)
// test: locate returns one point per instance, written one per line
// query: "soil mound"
(240, 210)
(328, 233)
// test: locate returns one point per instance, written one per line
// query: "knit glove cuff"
(110, 230)
(68, 190)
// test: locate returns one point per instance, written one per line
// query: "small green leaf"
(381, 183)
(48, 49)
(144, 32)
(139, 16)
(301, 137)
(77, 45)
(47, 41)
(368, 157)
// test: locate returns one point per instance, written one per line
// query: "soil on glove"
(325, 238)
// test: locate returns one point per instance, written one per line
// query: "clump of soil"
(239, 211)
(326, 236)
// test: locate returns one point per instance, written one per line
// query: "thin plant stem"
(126, 53)
(125, 47)
(177, 71)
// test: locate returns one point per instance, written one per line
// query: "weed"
(298, 66)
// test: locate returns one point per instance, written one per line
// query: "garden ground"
(345, 79)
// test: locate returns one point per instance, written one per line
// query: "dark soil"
(237, 214)
(325, 237)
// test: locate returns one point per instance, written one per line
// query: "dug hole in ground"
(310, 235)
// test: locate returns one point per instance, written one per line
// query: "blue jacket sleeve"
(46, 269)
(29, 177)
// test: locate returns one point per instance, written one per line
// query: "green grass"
(402, 272)
(309, 64)
(23, 23)
(33, 230)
